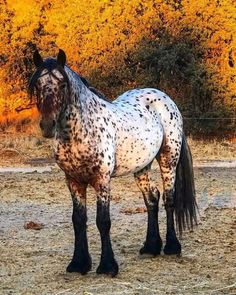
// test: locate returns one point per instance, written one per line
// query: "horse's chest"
(76, 161)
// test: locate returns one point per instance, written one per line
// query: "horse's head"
(51, 85)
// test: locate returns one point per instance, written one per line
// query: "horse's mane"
(51, 64)
(93, 89)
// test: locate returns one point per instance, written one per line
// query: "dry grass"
(220, 149)
(17, 148)
(21, 140)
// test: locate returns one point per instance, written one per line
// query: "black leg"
(108, 264)
(151, 195)
(81, 261)
(153, 243)
(173, 245)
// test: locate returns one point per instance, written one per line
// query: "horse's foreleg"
(108, 264)
(81, 261)
(153, 243)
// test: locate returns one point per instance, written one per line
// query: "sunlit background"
(185, 48)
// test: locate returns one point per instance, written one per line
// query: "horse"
(97, 139)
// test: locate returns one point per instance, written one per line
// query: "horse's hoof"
(82, 267)
(151, 249)
(172, 248)
(108, 267)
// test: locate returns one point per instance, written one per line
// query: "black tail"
(184, 197)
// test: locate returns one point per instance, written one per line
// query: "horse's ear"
(61, 58)
(37, 59)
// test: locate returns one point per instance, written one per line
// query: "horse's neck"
(78, 91)
(84, 102)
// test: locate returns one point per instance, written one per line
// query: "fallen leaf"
(33, 225)
(134, 210)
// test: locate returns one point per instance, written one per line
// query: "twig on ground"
(64, 291)
(223, 288)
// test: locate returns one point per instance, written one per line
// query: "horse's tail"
(184, 197)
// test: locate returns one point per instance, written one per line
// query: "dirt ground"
(34, 261)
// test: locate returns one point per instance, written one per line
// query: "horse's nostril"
(41, 124)
(53, 123)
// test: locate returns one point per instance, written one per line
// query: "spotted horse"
(96, 140)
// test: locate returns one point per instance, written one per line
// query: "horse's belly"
(135, 151)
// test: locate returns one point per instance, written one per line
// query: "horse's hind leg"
(81, 261)
(168, 159)
(153, 243)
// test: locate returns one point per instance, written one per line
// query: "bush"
(188, 51)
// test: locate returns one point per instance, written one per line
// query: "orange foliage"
(104, 39)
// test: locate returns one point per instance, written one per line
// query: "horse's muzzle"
(48, 128)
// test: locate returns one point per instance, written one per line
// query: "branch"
(22, 108)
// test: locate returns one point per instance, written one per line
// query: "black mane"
(93, 89)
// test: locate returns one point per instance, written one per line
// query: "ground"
(34, 261)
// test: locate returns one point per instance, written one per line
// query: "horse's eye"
(62, 86)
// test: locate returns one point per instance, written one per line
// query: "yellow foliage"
(102, 37)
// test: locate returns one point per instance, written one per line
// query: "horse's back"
(156, 102)
(152, 99)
